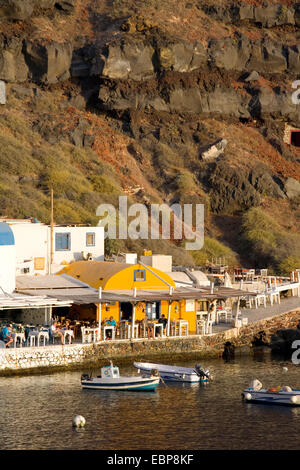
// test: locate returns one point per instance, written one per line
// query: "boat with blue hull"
(284, 396)
(174, 373)
(110, 379)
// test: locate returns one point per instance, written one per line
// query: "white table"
(90, 335)
(260, 298)
(200, 327)
(177, 326)
(183, 324)
(108, 328)
(125, 331)
(143, 330)
(44, 335)
(69, 334)
(32, 337)
(21, 337)
(274, 296)
(159, 326)
(208, 327)
(226, 314)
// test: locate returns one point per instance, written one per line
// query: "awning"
(91, 296)
(17, 301)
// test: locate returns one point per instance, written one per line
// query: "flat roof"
(48, 282)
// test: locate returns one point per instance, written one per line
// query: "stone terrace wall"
(52, 358)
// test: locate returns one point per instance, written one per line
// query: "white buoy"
(78, 421)
(295, 399)
(285, 369)
(248, 396)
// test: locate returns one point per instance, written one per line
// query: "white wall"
(131, 258)
(33, 241)
(78, 244)
(7, 268)
(161, 262)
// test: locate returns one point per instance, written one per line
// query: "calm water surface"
(37, 412)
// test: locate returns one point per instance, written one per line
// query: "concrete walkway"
(261, 313)
(256, 314)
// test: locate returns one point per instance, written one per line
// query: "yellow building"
(118, 276)
(148, 287)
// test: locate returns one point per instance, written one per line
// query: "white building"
(34, 250)
(161, 262)
(7, 259)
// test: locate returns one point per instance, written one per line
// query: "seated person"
(66, 325)
(163, 320)
(110, 322)
(7, 336)
(149, 326)
(55, 331)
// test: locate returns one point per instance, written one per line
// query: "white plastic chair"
(200, 327)
(86, 337)
(31, 339)
(208, 324)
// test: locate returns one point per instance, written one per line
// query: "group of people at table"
(58, 330)
(8, 331)
(146, 324)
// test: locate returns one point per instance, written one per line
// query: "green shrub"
(289, 264)
(214, 249)
(266, 243)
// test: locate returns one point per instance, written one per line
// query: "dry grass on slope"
(246, 146)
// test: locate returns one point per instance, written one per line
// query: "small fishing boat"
(273, 396)
(110, 379)
(174, 373)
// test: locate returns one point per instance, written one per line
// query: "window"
(202, 306)
(90, 239)
(140, 275)
(153, 310)
(39, 264)
(62, 242)
(190, 305)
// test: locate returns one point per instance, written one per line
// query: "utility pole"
(51, 230)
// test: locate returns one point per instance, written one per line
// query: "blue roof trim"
(6, 235)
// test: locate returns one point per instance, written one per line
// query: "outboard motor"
(154, 373)
(201, 372)
(85, 377)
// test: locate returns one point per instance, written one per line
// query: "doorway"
(125, 310)
(153, 310)
(295, 138)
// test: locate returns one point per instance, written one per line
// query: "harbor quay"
(64, 307)
(46, 359)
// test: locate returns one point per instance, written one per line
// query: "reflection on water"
(37, 412)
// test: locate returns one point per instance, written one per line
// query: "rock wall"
(25, 9)
(267, 15)
(153, 71)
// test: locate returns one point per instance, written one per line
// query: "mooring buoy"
(78, 421)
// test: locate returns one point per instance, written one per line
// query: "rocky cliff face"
(174, 79)
(25, 9)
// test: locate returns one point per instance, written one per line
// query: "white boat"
(174, 373)
(273, 396)
(110, 379)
